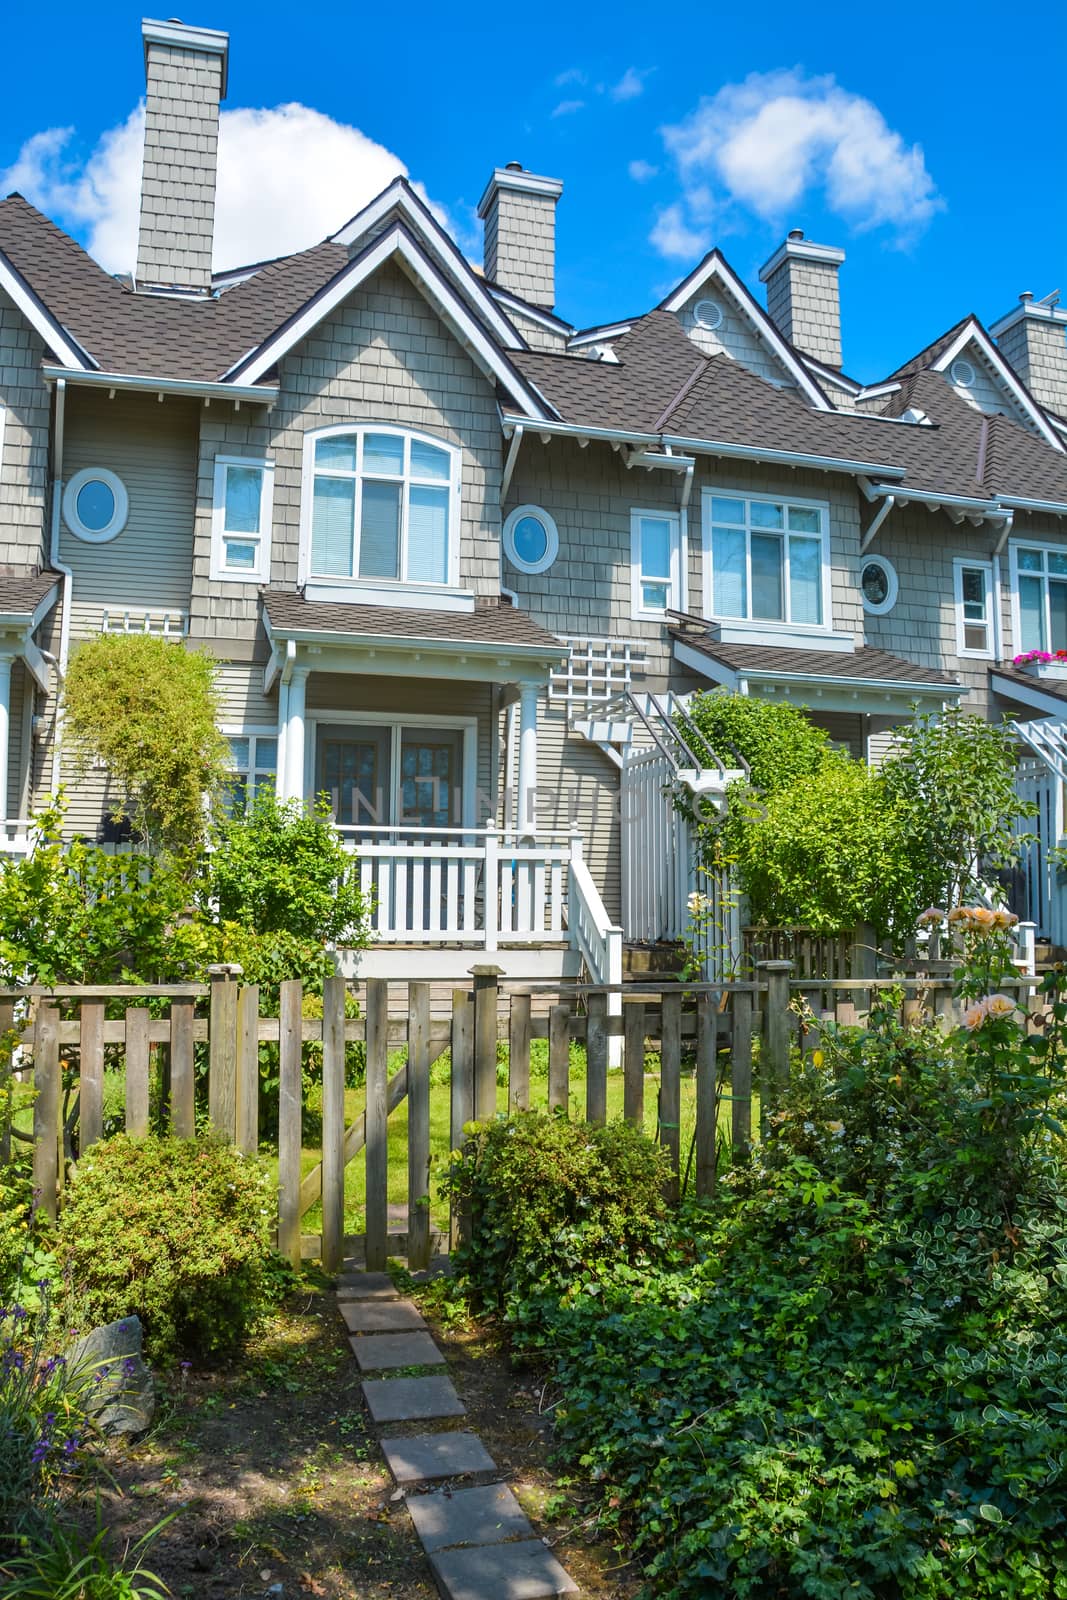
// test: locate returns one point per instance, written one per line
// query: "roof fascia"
(426, 225)
(256, 394)
(544, 319)
(836, 380)
(395, 242)
(37, 314)
(711, 447)
(972, 329)
(1035, 698)
(609, 331)
(715, 266)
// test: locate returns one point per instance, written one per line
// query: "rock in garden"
(120, 1393)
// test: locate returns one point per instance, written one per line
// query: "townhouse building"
(460, 561)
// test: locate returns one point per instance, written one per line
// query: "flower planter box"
(1045, 669)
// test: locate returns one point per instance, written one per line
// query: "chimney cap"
(180, 36)
(515, 177)
(795, 247)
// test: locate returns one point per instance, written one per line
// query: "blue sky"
(923, 142)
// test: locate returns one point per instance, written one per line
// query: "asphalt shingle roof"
(22, 595)
(877, 666)
(502, 625)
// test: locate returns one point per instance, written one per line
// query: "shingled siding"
(24, 457)
(152, 448)
(591, 494)
(384, 356)
(735, 336)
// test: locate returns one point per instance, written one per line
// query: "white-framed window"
(1039, 596)
(657, 563)
(241, 515)
(973, 587)
(531, 539)
(381, 504)
(767, 559)
(95, 505)
(878, 585)
(253, 764)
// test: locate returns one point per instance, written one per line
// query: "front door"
(431, 778)
(353, 770)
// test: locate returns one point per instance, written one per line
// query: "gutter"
(708, 447)
(254, 393)
(68, 580)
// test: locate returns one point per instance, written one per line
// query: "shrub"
(148, 711)
(26, 1262)
(176, 1232)
(548, 1199)
(780, 744)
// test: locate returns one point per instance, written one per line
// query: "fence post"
(46, 1106)
(377, 1154)
(774, 1052)
(596, 1059)
(222, 1049)
(707, 1093)
(741, 1074)
(137, 1060)
(290, 1130)
(634, 1063)
(182, 1071)
(491, 887)
(462, 1094)
(333, 1124)
(519, 1054)
(418, 1126)
(91, 1074)
(486, 1001)
(670, 1085)
(559, 1058)
(247, 1118)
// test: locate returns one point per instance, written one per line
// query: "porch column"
(527, 781)
(294, 735)
(5, 730)
(281, 776)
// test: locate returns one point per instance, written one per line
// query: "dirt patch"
(275, 1475)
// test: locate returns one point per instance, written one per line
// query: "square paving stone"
(436, 1455)
(366, 1286)
(382, 1316)
(487, 1514)
(377, 1351)
(523, 1571)
(412, 1399)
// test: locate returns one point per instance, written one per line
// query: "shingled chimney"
(1033, 336)
(803, 299)
(186, 73)
(519, 212)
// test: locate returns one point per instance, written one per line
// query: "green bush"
(548, 1199)
(780, 744)
(26, 1261)
(176, 1232)
(58, 1564)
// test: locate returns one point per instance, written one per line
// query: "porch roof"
(493, 642)
(25, 600)
(1047, 695)
(866, 680)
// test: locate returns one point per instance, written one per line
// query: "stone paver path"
(479, 1542)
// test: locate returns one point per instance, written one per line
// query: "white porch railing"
(15, 838)
(484, 887)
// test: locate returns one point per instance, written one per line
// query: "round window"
(531, 539)
(95, 505)
(708, 314)
(963, 373)
(878, 582)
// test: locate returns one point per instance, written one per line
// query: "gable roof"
(395, 243)
(715, 267)
(939, 356)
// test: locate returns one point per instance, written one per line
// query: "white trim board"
(715, 267)
(396, 243)
(401, 195)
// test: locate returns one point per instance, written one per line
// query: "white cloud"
(641, 171)
(567, 108)
(287, 178)
(768, 142)
(673, 236)
(572, 75)
(630, 85)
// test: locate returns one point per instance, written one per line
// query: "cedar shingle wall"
(24, 458)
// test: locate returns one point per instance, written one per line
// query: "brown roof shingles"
(867, 663)
(20, 596)
(502, 625)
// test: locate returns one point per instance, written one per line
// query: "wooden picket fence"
(711, 1030)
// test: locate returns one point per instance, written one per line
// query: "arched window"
(382, 505)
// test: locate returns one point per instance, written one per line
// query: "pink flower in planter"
(1030, 656)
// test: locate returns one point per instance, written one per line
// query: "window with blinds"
(383, 505)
